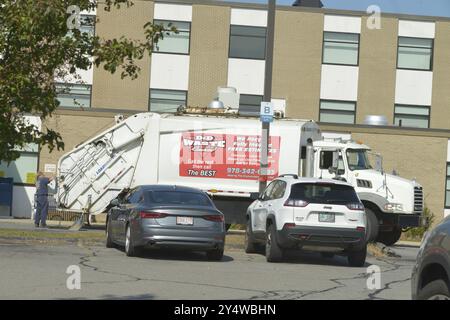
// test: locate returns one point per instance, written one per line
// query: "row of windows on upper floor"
(339, 48)
(162, 100)
(248, 42)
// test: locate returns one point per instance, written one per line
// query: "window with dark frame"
(415, 53)
(412, 116)
(250, 104)
(337, 111)
(74, 95)
(326, 159)
(174, 42)
(447, 187)
(162, 100)
(247, 42)
(340, 48)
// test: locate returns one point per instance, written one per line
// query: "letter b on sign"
(73, 282)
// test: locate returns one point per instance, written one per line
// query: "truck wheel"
(435, 290)
(249, 244)
(372, 226)
(357, 258)
(391, 237)
(273, 251)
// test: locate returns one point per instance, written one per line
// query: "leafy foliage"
(36, 47)
(417, 233)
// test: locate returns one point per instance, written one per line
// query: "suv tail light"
(152, 215)
(295, 203)
(215, 218)
(356, 206)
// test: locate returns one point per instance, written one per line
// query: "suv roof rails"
(295, 176)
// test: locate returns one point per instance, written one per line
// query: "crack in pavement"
(391, 266)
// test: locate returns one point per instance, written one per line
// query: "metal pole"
(265, 133)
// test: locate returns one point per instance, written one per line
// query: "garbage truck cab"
(392, 203)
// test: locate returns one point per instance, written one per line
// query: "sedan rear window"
(323, 193)
(177, 198)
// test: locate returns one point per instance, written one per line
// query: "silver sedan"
(166, 216)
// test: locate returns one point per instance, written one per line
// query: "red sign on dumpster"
(225, 156)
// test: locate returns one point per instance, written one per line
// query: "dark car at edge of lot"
(166, 216)
(431, 273)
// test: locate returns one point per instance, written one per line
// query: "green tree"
(40, 41)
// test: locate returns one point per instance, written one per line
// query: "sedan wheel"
(130, 249)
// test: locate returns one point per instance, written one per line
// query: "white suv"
(311, 214)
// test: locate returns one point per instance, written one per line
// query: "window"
(447, 187)
(247, 42)
(412, 116)
(340, 48)
(177, 198)
(22, 170)
(268, 192)
(358, 159)
(323, 193)
(166, 100)
(326, 159)
(278, 190)
(337, 111)
(74, 95)
(250, 104)
(174, 42)
(415, 53)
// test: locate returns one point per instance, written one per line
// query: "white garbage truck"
(218, 152)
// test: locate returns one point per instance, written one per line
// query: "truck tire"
(391, 237)
(372, 225)
(357, 258)
(249, 244)
(435, 290)
(273, 251)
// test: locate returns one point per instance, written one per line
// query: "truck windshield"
(358, 159)
(323, 193)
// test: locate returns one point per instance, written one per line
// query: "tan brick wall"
(297, 62)
(110, 91)
(74, 128)
(417, 157)
(208, 67)
(377, 70)
(440, 109)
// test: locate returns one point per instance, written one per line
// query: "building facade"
(335, 67)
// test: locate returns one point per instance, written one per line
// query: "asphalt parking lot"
(34, 270)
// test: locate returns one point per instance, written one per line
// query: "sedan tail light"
(152, 215)
(215, 218)
(295, 203)
(356, 206)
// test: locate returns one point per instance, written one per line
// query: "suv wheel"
(273, 251)
(435, 290)
(357, 258)
(250, 245)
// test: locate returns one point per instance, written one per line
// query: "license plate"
(326, 217)
(187, 221)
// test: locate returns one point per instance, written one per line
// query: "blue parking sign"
(266, 113)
